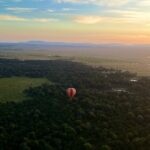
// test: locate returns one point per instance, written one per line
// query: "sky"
(84, 21)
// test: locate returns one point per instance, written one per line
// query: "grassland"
(132, 61)
(11, 89)
(139, 66)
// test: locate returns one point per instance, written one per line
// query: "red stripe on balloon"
(71, 92)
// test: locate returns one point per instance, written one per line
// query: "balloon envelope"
(71, 92)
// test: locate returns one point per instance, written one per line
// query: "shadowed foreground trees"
(98, 118)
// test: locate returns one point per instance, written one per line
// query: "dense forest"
(111, 110)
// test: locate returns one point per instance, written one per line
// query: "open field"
(11, 89)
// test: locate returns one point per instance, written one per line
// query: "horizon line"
(91, 43)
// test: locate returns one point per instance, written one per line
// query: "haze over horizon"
(94, 21)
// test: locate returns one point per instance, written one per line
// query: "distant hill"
(110, 50)
(46, 43)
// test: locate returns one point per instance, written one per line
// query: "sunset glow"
(94, 21)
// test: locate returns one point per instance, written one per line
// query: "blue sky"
(75, 20)
(46, 8)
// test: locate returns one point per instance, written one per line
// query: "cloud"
(68, 9)
(21, 19)
(88, 19)
(51, 10)
(97, 2)
(17, 0)
(44, 20)
(39, 0)
(20, 9)
(11, 18)
(130, 16)
(116, 17)
(144, 3)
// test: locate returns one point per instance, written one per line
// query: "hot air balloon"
(71, 92)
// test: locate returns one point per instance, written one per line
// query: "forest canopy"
(111, 110)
